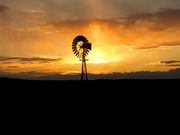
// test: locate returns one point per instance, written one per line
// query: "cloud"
(175, 43)
(83, 24)
(138, 31)
(172, 63)
(150, 46)
(157, 21)
(3, 9)
(25, 60)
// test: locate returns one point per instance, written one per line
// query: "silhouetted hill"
(112, 92)
(100, 84)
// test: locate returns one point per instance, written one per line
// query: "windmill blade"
(82, 38)
(87, 52)
(76, 39)
(74, 44)
(75, 51)
(86, 41)
(74, 48)
(77, 54)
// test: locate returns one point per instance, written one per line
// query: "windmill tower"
(81, 48)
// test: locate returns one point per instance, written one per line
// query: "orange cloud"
(27, 60)
(148, 30)
(3, 9)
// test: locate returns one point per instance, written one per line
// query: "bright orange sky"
(126, 35)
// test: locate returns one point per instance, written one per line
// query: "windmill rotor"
(81, 46)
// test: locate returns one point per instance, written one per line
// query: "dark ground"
(118, 103)
(126, 95)
(92, 90)
(93, 84)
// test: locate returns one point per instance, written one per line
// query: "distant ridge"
(171, 74)
(19, 79)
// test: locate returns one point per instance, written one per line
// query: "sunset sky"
(126, 35)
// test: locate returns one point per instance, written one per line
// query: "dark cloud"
(170, 62)
(157, 21)
(3, 8)
(146, 47)
(169, 43)
(24, 60)
(78, 9)
(149, 46)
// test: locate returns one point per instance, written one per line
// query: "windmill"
(81, 48)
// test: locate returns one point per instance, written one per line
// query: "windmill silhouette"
(81, 48)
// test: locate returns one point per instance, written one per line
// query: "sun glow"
(102, 49)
